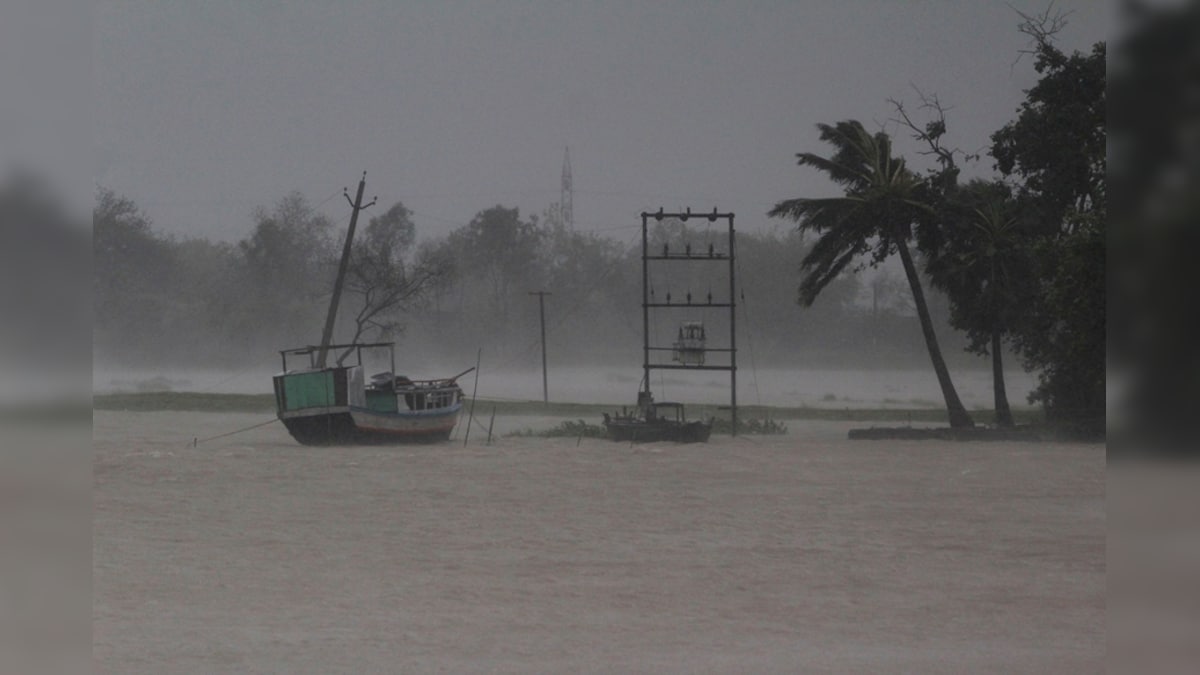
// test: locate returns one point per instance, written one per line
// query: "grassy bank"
(183, 400)
(257, 403)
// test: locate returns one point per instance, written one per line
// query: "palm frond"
(816, 214)
(843, 173)
(882, 200)
(821, 274)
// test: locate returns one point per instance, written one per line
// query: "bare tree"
(932, 134)
(387, 276)
(1042, 28)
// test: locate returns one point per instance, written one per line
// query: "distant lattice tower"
(566, 200)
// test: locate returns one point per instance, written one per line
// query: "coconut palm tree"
(883, 201)
(979, 257)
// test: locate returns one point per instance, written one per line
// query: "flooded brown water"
(798, 553)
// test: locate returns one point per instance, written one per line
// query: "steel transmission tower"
(567, 198)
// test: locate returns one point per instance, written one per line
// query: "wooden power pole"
(357, 205)
(542, 314)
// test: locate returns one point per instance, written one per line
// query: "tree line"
(190, 301)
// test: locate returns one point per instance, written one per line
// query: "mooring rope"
(197, 441)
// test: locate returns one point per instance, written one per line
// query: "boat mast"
(357, 205)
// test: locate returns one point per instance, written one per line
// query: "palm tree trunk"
(959, 418)
(1004, 416)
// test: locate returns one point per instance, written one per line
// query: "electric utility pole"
(357, 205)
(542, 313)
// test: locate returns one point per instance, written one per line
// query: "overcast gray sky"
(205, 110)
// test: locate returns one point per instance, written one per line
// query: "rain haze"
(433, 513)
(205, 111)
(208, 113)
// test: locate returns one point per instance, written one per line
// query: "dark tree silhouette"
(1057, 149)
(980, 257)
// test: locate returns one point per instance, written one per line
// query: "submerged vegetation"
(582, 429)
(567, 429)
(750, 427)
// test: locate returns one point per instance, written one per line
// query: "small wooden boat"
(337, 405)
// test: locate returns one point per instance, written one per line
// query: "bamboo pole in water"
(471, 414)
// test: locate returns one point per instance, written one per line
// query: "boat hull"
(364, 427)
(640, 431)
(332, 406)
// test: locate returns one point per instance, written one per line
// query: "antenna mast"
(567, 198)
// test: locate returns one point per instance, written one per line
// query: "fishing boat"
(324, 402)
(656, 421)
(339, 405)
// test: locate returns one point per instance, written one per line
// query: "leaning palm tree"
(883, 200)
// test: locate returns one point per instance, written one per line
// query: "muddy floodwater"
(802, 553)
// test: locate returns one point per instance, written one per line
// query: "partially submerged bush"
(567, 429)
(763, 427)
(580, 428)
